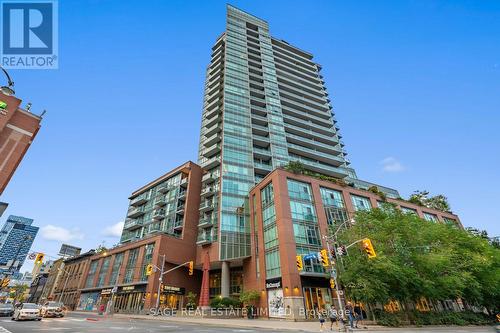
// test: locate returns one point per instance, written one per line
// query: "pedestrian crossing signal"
(368, 248)
(39, 258)
(323, 254)
(300, 263)
(191, 267)
(149, 270)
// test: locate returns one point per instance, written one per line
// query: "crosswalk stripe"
(4, 330)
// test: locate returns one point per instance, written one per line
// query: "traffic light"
(5, 282)
(300, 263)
(341, 250)
(149, 270)
(191, 267)
(39, 258)
(368, 248)
(332, 283)
(323, 255)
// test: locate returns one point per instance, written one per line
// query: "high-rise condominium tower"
(265, 104)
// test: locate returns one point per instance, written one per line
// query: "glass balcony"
(136, 211)
(207, 205)
(160, 201)
(182, 194)
(208, 191)
(132, 224)
(184, 182)
(210, 177)
(159, 214)
(211, 163)
(180, 209)
(207, 222)
(204, 238)
(212, 150)
(179, 224)
(137, 201)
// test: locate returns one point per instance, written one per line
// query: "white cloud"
(391, 164)
(52, 232)
(114, 230)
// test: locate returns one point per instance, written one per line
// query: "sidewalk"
(304, 326)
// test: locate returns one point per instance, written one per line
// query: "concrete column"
(225, 279)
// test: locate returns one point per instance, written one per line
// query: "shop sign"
(106, 291)
(174, 290)
(128, 288)
(273, 283)
(3, 108)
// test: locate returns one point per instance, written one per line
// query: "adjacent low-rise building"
(123, 269)
(18, 128)
(73, 279)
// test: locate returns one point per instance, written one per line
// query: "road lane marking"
(4, 330)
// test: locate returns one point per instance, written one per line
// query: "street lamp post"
(9, 89)
(65, 282)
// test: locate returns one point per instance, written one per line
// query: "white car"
(52, 309)
(27, 311)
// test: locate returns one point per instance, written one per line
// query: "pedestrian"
(332, 314)
(358, 314)
(350, 313)
(321, 318)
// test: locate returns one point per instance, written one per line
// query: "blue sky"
(415, 86)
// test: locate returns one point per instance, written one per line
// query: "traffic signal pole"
(334, 276)
(160, 279)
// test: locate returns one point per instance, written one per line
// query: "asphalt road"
(79, 323)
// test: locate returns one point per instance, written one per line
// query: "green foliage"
(416, 258)
(191, 300)
(17, 292)
(433, 318)
(375, 189)
(225, 303)
(451, 318)
(298, 168)
(421, 198)
(248, 297)
(388, 319)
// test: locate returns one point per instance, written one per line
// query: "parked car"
(6, 309)
(52, 309)
(28, 311)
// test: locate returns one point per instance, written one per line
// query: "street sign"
(32, 256)
(114, 290)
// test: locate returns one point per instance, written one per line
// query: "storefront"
(317, 295)
(88, 301)
(172, 297)
(130, 299)
(275, 300)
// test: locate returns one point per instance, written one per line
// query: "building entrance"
(316, 300)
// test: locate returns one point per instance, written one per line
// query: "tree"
(191, 300)
(416, 258)
(18, 292)
(421, 198)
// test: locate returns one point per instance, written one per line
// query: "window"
(360, 203)
(273, 268)
(103, 272)
(430, 217)
(332, 198)
(90, 277)
(306, 234)
(129, 271)
(302, 211)
(450, 221)
(407, 210)
(116, 268)
(299, 190)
